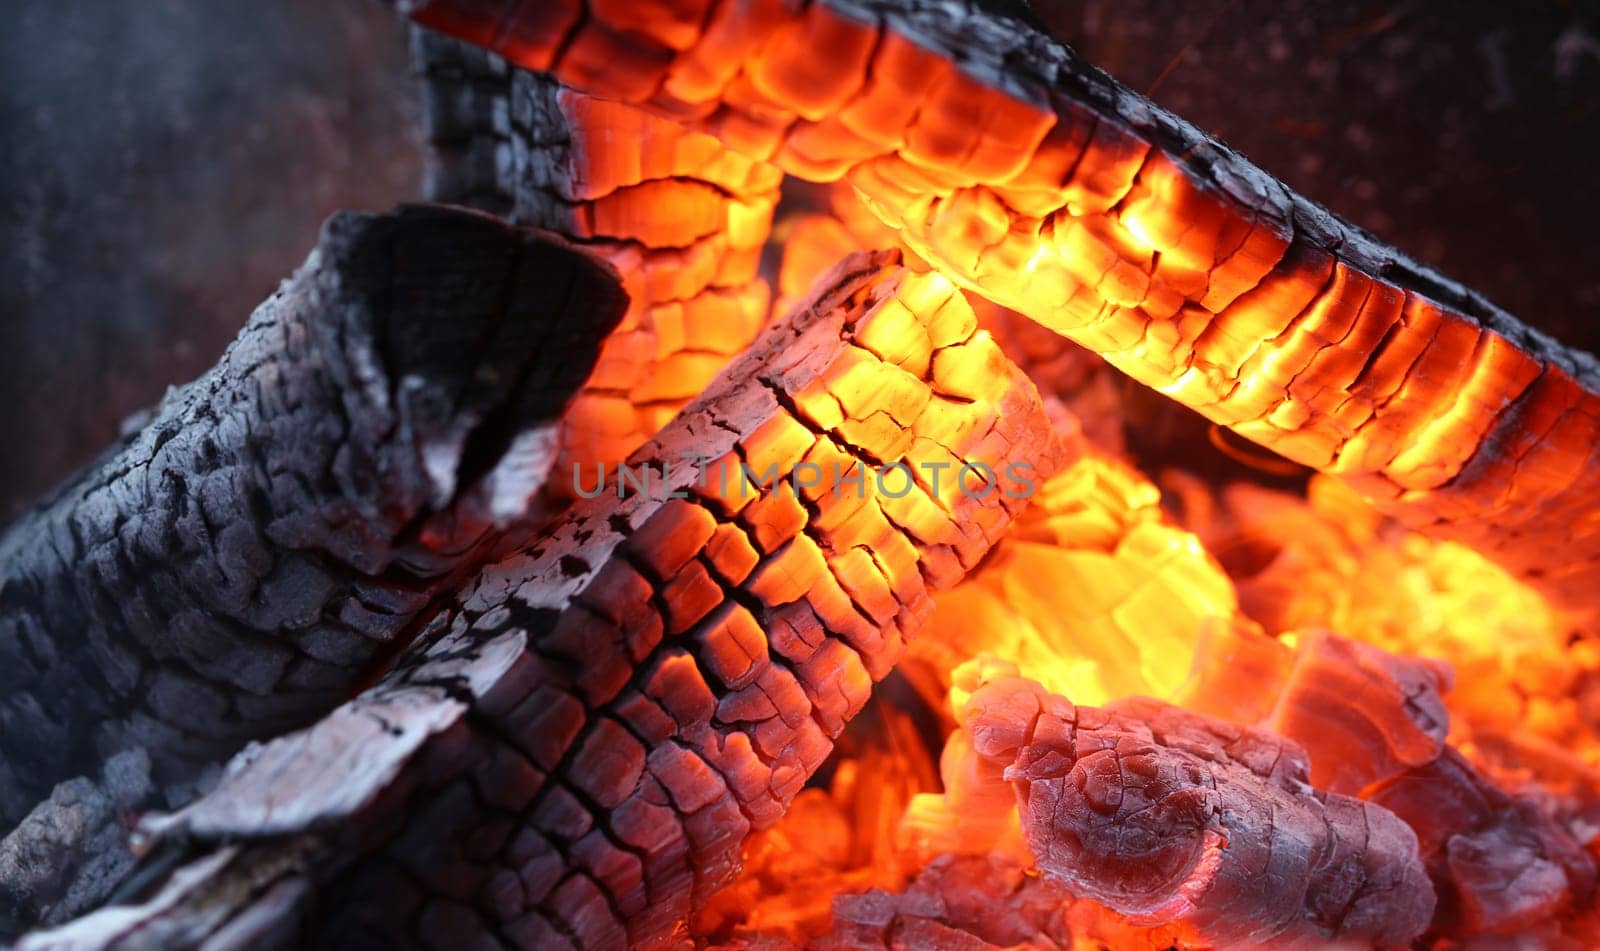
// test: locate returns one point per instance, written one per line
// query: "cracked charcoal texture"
(236, 566)
(956, 903)
(1502, 864)
(1187, 267)
(680, 215)
(1173, 819)
(67, 855)
(577, 759)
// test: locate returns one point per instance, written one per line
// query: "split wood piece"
(1173, 819)
(1375, 725)
(239, 564)
(577, 760)
(1025, 173)
(681, 216)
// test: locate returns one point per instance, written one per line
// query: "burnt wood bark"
(245, 558)
(466, 122)
(576, 759)
(1022, 171)
(681, 216)
(72, 850)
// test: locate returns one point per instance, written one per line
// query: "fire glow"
(1097, 593)
(1062, 213)
(1113, 708)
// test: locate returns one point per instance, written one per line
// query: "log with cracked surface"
(682, 217)
(241, 561)
(576, 760)
(1019, 170)
(1179, 821)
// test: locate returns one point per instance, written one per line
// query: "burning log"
(241, 562)
(1021, 171)
(577, 759)
(682, 217)
(1172, 819)
(839, 222)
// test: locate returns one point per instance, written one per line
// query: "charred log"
(1022, 171)
(1173, 819)
(238, 565)
(576, 760)
(466, 125)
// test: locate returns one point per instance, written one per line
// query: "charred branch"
(239, 564)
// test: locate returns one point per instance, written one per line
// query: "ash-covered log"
(576, 760)
(1176, 820)
(681, 216)
(243, 560)
(1023, 172)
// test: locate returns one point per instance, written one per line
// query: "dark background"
(163, 164)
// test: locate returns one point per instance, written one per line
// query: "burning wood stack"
(569, 599)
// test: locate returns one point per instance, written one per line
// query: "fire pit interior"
(719, 518)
